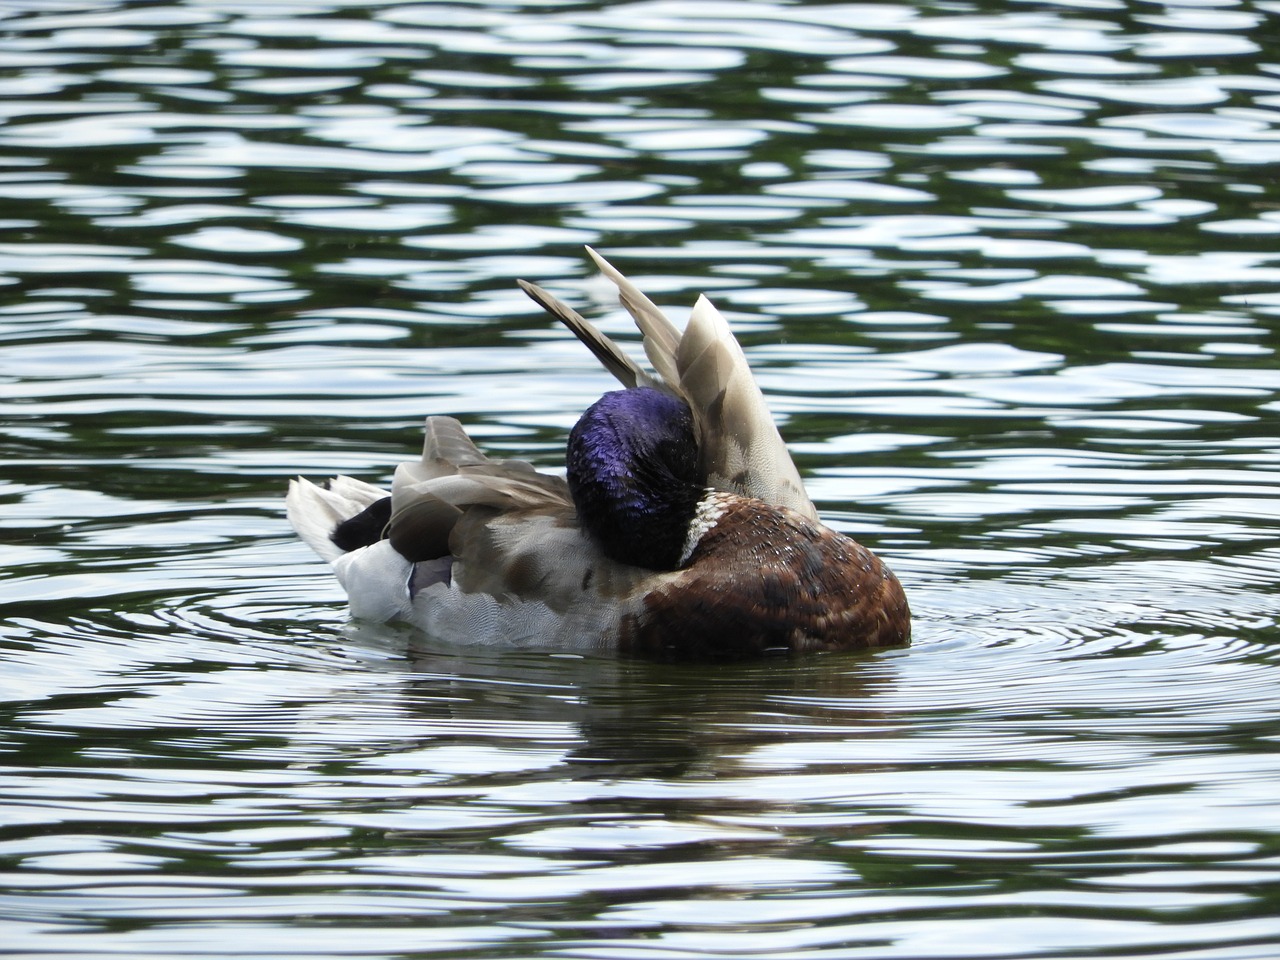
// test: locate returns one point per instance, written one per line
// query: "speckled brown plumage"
(766, 578)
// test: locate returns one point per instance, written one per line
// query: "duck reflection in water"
(682, 530)
(589, 717)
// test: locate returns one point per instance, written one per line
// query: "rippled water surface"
(1010, 277)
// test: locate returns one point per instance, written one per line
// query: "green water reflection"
(1008, 277)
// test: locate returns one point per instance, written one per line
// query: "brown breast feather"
(767, 578)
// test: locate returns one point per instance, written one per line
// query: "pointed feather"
(606, 351)
(446, 443)
(445, 448)
(661, 337)
(739, 443)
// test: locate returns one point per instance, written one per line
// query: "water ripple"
(1007, 278)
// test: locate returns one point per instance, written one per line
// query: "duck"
(681, 529)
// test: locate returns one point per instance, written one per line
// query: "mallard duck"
(682, 529)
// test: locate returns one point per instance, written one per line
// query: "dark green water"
(1010, 277)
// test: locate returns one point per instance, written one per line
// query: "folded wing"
(429, 496)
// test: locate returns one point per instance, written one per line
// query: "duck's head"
(633, 471)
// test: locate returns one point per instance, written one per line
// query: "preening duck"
(682, 529)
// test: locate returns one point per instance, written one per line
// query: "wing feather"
(606, 351)
(740, 446)
(429, 496)
(661, 336)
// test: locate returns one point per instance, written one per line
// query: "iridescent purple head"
(634, 475)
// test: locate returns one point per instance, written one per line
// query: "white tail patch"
(315, 511)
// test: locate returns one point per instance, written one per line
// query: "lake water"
(1010, 277)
